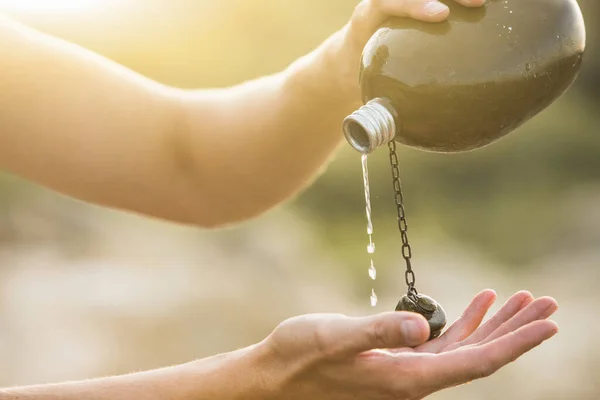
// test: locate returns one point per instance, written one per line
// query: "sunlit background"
(88, 292)
(59, 6)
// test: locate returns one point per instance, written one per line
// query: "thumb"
(370, 14)
(382, 331)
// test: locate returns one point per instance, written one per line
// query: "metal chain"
(409, 275)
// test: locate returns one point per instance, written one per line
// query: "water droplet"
(373, 298)
(371, 248)
(372, 271)
(527, 67)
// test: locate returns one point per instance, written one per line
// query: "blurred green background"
(88, 292)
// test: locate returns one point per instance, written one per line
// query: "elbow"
(210, 222)
(201, 206)
(220, 218)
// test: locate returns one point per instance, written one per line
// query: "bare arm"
(84, 126)
(333, 357)
(229, 376)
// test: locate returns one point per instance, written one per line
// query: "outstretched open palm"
(376, 358)
(469, 350)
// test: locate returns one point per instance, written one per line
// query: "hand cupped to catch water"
(386, 356)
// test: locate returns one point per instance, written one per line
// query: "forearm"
(266, 139)
(231, 376)
(89, 128)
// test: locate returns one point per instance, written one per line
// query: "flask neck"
(371, 126)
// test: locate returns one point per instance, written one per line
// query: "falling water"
(373, 298)
(371, 245)
(372, 271)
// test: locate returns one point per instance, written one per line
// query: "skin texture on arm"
(86, 127)
(217, 377)
(335, 357)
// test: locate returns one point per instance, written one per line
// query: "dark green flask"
(464, 83)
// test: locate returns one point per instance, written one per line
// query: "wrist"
(329, 74)
(250, 373)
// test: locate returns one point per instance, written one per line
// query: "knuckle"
(324, 347)
(377, 333)
(281, 331)
(320, 340)
(360, 9)
(357, 22)
(366, 9)
(388, 7)
(514, 354)
(302, 335)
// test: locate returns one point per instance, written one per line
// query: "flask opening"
(370, 127)
(357, 136)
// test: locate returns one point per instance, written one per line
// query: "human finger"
(370, 14)
(465, 325)
(516, 303)
(538, 309)
(352, 335)
(469, 363)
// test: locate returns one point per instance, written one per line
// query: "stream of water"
(371, 246)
